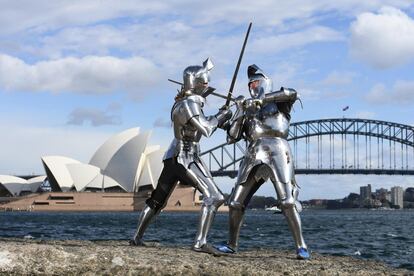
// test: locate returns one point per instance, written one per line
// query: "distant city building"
(388, 196)
(381, 194)
(365, 192)
(409, 194)
(397, 194)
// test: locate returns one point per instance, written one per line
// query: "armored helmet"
(254, 73)
(196, 77)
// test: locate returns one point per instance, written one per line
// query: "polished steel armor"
(254, 73)
(264, 122)
(195, 77)
(182, 162)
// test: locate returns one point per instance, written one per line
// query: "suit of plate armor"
(182, 162)
(263, 121)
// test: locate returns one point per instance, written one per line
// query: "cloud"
(278, 43)
(184, 45)
(384, 39)
(95, 116)
(402, 92)
(87, 40)
(274, 13)
(93, 27)
(168, 44)
(29, 15)
(87, 75)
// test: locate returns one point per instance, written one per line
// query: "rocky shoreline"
(36, 257)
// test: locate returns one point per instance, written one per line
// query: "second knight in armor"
(182, 162)
(263, 121)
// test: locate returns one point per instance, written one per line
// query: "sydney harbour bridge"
(334, 146)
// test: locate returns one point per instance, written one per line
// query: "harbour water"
(385, 236)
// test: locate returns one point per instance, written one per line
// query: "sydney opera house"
(119, 176)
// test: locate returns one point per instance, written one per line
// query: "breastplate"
(266, 122)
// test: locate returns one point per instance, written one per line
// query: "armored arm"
(235, 131)
(283, 95)
(205, 124)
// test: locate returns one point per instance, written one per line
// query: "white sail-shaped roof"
(37, 179)
(145, 177)
(13, 184)
(57, 169)
(82, 174)
(150, 167)
(104, 154)
(154, 160)
(123, 166)
(36, 182)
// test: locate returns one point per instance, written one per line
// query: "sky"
(74, 73)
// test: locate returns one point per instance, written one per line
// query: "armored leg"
(147, 214)
(239, 200)
(212, 199)
(157, 201)
(287, 193)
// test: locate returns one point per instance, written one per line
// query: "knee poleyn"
(215, 201)
(287, 203)
(236, 205)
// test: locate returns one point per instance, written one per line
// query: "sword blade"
(233, 81)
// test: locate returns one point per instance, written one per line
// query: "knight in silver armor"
(264, 122)
(182, 163)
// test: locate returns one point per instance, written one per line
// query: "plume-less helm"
(254, 73)
(196, 77)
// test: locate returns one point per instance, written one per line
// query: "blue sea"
(385, 236)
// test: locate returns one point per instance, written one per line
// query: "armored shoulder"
(188, 108)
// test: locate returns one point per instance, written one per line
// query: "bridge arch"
(400, 133)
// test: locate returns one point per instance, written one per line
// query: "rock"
(5, 259)
(34, 257)
(117, 261)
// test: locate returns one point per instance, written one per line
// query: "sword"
(210, 91)
(176, 82)
(233, 81)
